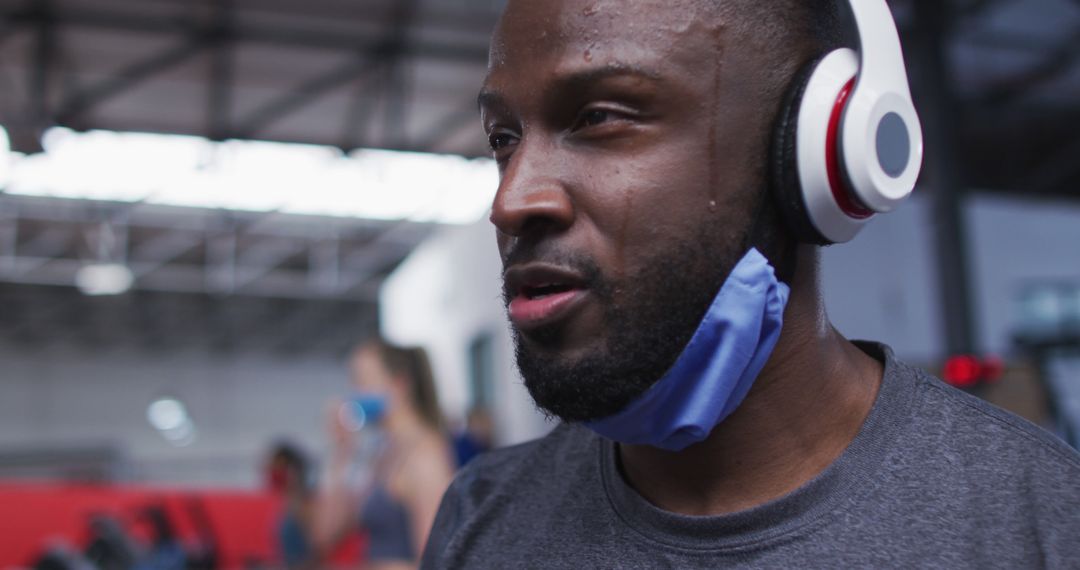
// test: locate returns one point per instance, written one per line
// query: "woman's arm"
(427, 474)
(335, 510)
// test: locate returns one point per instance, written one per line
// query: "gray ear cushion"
(783, 172)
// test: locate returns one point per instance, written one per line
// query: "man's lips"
(542, 294)
(530, 314)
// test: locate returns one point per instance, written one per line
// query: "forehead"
(672, 36)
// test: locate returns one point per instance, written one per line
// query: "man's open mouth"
(542, 294)
(542, 291)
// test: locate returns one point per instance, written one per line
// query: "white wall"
(65, 397)
(884, 285)
(1017, 243)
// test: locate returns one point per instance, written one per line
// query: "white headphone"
(849, 142)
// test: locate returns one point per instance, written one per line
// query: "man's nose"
(532, 197)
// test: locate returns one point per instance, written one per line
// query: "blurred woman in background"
(407, 461)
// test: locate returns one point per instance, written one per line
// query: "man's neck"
(804, 410)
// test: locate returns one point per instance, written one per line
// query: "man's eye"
(595, 117)
(499, 141)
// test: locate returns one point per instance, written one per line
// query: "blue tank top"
(387, 523)
(292, 541)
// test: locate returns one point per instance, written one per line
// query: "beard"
(649, 317)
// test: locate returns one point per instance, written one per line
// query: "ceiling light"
(100, 279)
(167, 414)
(170, 418)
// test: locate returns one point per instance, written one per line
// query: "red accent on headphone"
(844, 198)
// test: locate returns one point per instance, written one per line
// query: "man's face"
(630, 146)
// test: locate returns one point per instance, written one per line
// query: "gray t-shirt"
(935, 479)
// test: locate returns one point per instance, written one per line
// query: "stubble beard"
(646, 330)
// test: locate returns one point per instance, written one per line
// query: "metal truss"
(223, 280)
(374, 60)
(32, 316)
(180, 250)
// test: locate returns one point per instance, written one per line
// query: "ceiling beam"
(362, 107)
(1057, 172)
(1059, 61)
(397, 81)
(272, 34)
(222, 72)
(290, 102)
(447, 126)
(84, 101)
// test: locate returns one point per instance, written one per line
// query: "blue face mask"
(715, 370)
(366, 408)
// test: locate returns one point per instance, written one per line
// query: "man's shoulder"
(969, 433)
(983, 471)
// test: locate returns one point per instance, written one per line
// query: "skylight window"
(252, 176)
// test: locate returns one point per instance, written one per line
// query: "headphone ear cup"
(784, 172)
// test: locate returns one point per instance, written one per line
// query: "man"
(636, 228)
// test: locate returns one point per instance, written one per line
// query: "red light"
(962, 371)
(993, 368)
